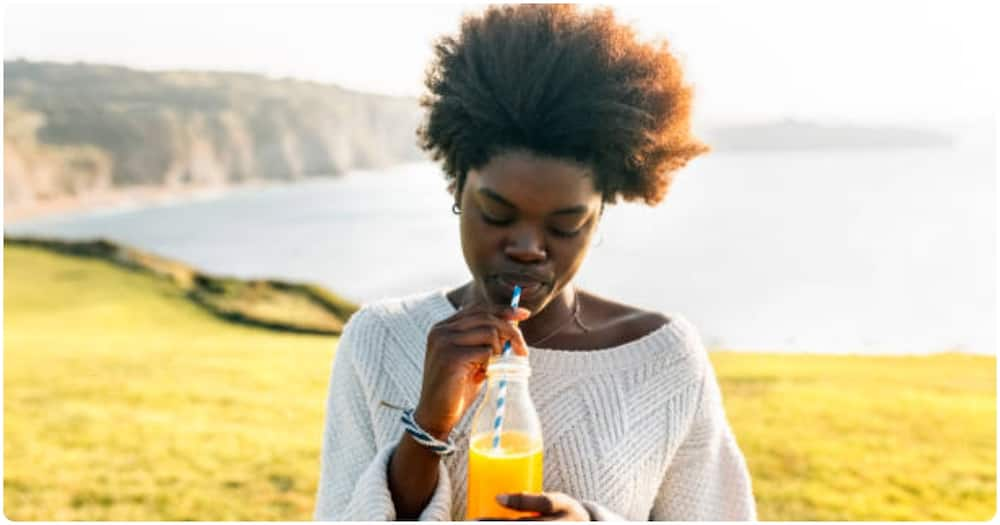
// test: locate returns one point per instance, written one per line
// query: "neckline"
(670, 334)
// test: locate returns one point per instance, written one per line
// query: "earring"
(455, 209)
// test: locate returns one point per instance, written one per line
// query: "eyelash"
(558, 233)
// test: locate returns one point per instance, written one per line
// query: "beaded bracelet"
(421, 436)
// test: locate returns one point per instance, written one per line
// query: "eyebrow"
(573, 210)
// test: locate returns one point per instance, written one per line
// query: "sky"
(875, 61)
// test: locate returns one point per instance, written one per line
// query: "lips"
(530, 285)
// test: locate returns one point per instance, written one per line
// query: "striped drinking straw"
(502, 386)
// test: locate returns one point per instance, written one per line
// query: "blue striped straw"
(502, 386)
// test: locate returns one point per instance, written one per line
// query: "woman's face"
(527, 220)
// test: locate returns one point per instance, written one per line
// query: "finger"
(553, 517)
(526, 501)
(560, 501)
(556, 516)
(505, 331)
(520, 346)
(464, 312)
(479, 319)
(478, 336)
(508, 332)
(504, 313)
(472, 313)
(480, 354)
(515, 314)
(501, 310)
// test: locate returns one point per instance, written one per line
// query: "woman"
(541, 114)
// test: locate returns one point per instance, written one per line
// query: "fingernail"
(503, 499)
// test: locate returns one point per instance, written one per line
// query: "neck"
(555, 316)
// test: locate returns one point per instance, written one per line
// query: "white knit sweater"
(636, 431)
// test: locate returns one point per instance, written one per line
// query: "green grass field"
(125, 401)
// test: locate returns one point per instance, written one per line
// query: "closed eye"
(495, 222)
(565, 235)
(506, 222)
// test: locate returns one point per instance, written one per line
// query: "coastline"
(122, 198)
(134, 197)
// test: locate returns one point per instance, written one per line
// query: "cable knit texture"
(635, 432)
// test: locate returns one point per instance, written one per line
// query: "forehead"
(531, 181)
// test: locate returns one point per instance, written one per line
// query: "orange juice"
(515, 467)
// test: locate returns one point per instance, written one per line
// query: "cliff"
(78, 129)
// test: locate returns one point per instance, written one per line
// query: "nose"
(526, 245)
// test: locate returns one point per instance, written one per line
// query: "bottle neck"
(512, 380)
(512, 368)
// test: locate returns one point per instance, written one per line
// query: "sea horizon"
(868, 253)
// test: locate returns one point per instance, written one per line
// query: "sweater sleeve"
(707, 480)
(353, 480)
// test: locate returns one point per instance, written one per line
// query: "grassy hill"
(269, 303)
(125, 400)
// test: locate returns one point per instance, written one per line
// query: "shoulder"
(401, 319)
(363, 331)
(366, 318)
(391, 311)
(679, 338)
(626, 321)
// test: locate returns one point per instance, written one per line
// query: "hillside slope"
(74, 129)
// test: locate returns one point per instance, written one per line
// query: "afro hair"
(562, 83)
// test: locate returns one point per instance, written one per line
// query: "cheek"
(479, 245)
(569, 258)
(468, 237)
(571, 255)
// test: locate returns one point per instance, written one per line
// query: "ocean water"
(867, 252)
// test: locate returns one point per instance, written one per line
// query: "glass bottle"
(508, 460)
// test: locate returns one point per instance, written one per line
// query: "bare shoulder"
(629, 321)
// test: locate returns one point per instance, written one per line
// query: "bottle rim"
(511, 366)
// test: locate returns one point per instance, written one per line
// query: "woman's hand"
(550, 506)
(458, 350)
